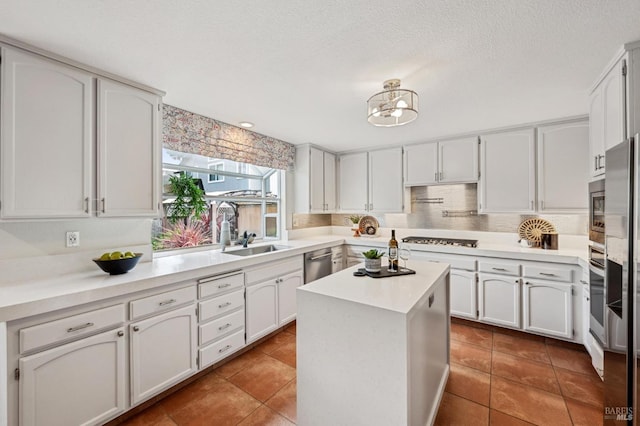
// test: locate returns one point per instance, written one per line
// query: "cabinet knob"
(120, 333)
(136, 328)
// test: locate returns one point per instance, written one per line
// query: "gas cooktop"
(441, 241)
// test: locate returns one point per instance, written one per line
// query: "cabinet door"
(262, 309)
(507, 180)
(316, 180)
(163, 352)
(499, 300)
(586, 306)
(47, 135)
(421, 164)
(463, 294)
(458, 160)
(548, 308)
(329, 182)
(353, 182)
(128, 150)
(80, 383)
(287, 296)
(596, 133)
(563, 168)
(386, 191)
(613, 87)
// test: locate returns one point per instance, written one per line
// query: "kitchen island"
(373, 351)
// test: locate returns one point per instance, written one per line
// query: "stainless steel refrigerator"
(622, 319)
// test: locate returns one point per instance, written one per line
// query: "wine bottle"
(393, 252)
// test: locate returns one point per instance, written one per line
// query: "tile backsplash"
(429, 202)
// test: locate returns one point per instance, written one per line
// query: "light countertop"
(399, 294)
(22, 298)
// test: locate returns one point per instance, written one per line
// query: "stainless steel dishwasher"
(317, 264)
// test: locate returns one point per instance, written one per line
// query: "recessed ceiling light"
(246, 124)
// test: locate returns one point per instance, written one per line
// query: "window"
(216, 177)
(250, 202)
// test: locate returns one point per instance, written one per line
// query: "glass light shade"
(393, 107)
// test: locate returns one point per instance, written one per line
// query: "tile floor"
(498, 377)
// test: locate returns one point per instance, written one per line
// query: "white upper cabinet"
(563, 168)
(613, 97)
(507, 164)
(47, 138)
(353, 174)
(48, 165)
(385, 181)
(128, 150)
(421, 164)
(458, 160)
(608, 112)
(596, 134)
(315, 181)
(454, 161)
(371, 182)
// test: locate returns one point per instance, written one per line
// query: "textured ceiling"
(303, 70)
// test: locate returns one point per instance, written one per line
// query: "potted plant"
(355, 219)
(373, 260)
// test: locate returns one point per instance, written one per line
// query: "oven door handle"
(596, 268)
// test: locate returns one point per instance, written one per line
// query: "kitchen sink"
(250, 251)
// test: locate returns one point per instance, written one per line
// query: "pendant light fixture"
(393, 106)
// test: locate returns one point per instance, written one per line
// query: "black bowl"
(118, 266)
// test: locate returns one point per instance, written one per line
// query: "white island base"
(373, 351)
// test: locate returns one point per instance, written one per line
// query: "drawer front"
(161, 302)
(220, 305)
(215, 285)
(70, 327)
(467, 264)
(274, 270)
(548, 273)
(220, 349)
(221, 327)
(499, 268)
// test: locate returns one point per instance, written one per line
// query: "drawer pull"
(120, 333)
(547, 274)
(223, 327)
(499, 269)
(136, 328)
(79, 327)
(224, 305)
(224, 285)
(226, 348)
(584, 282)
(167, 302)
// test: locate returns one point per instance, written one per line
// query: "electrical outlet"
(73, 239)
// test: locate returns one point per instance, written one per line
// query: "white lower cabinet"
(547, 308)
(463, 294)
(271, 296)
(262, 309)
(499, 300)
(287, 296)
(80, 383)
(163, 351)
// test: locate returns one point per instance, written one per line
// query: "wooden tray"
(384, 273)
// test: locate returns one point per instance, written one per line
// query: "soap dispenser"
(225, 234)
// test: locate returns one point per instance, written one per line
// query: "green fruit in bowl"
(105, 256)
(116, 255)
(129, 255)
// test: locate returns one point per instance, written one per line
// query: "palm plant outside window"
(247, 194)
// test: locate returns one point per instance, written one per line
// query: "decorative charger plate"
(368, 225)
(532, 229)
